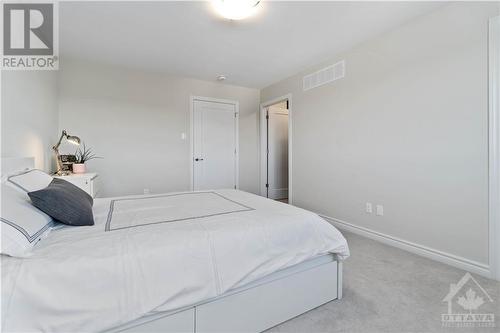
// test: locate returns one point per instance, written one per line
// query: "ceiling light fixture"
(236, 9)
(221, 78)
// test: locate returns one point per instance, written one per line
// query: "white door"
(214, 145)
(277, 161)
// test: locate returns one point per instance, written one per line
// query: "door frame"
(236, 104)
(263, 149)
(494, 147)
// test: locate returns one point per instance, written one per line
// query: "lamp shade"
(73, 139)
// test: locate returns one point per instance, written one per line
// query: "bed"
(209, 261)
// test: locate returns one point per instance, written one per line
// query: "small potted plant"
(82, 155)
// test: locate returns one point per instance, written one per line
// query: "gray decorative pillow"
(64, 202)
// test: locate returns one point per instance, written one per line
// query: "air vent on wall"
(324, 76)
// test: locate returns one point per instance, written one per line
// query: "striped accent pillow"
(21, 224)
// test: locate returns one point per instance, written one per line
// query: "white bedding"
(156, 254)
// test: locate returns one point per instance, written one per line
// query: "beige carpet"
(390, 290)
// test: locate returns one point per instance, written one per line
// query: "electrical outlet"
(380, 210)
(146, 191)
(369, 208)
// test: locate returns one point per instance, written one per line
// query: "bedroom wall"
(30, 116)
(134, 119)
(406, 128)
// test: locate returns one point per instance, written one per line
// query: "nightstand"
(85, 181)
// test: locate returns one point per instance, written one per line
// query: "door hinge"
(267, 116)
(267, 185)
(235, 187)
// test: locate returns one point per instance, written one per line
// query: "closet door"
(214, 145)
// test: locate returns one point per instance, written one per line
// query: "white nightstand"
(85, 181)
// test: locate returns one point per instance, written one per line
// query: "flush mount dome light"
(236, 9)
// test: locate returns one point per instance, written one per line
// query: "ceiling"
(189, 39)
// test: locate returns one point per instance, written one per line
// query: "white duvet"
(157, 253)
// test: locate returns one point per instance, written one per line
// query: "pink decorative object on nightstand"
(79, 168)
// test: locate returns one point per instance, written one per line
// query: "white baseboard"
(424, 251)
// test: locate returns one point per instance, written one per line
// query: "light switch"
(183, 136)
(380, 210)
(369, 208)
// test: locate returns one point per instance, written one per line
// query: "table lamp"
(70, 138)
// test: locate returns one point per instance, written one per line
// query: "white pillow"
(29, 180)
(21, 224)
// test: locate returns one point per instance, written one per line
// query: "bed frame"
(254, 307)
(16, 164)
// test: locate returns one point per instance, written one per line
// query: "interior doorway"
(275, 149)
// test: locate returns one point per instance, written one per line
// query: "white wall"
(29, 116)
(134, 120)
(406, 128)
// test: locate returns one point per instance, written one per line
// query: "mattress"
(157, 253)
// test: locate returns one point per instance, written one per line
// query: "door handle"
(198, 159)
